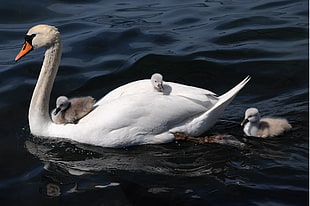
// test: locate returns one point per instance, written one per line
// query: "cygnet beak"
(57, 110)
(160, 87)
(244, 122)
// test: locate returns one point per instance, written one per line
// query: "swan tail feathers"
(224, 100)
(233, 92)
(206, 120)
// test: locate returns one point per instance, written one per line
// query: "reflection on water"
(81, 159)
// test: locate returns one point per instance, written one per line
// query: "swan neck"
(39, 105)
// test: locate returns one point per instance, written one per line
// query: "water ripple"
(209, 44)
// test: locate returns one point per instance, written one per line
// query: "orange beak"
(27, 47)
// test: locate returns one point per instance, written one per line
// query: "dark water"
(208, 44)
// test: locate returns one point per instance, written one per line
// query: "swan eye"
(29, 38)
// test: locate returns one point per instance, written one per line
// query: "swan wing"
(130, 119)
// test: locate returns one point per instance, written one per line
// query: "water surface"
(208, 44)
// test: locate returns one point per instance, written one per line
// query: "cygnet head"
(157, 82)
(37, 37)
(251, 115)
(62, 103)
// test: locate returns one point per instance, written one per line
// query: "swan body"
(256, 126)
(128, 115)
(71, 110)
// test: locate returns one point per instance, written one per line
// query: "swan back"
(198, 95)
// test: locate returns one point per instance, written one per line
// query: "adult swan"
(129, 115)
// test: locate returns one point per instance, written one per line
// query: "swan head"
(62, 103)
(40, 36)
(251, 115)
(157, 82)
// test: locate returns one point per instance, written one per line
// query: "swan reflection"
(184, 159)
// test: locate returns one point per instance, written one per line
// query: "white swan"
(124, 117)
(256, 126)
(71, 110)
